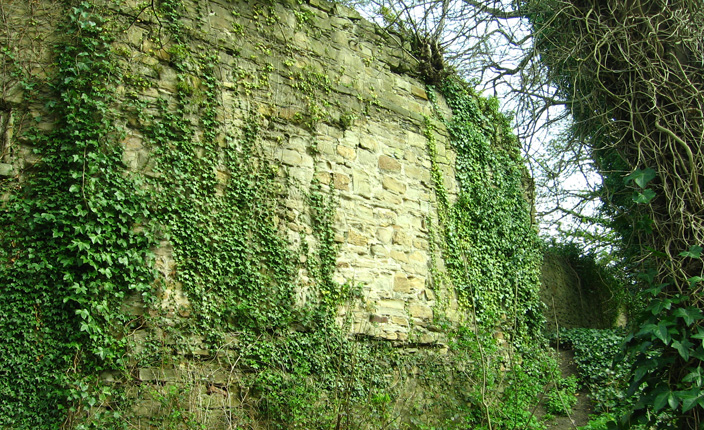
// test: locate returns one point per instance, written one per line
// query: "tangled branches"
(633, 73)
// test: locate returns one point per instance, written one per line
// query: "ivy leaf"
(660, 401)
(683, 347)
(695, 251)
(691, 398)
(641, 177)
(662, 332)
(645, 197)
(695, 376)
(689, 314)
(665, 397)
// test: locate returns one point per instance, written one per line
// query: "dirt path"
(579, 415)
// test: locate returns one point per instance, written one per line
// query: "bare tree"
(491, 43)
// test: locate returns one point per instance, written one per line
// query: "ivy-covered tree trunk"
(633, 73)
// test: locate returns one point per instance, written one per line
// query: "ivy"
(72, 242)
(490, 243)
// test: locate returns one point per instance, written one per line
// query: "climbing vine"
(72, 245)
(98, 330)
(490, 242)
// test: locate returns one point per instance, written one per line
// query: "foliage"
(563, 398)
(595, 353)
(489, 246)
(78, 227)
(646, 143)
(71, 244)
(490, 243)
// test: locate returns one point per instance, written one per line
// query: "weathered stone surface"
(6, 169)
(356, 238)
(401, 283)
(421, 311)
(346, 152)
(393, 185)
(329, 108)
(388, 163)
(342, 182)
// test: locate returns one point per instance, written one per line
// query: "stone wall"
(320, 76)
(574, 300)
(336, 106)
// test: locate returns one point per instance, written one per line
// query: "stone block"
(388, 163)
(378, 319)
(392, 307)
(401, 238)
(401, 283)
(388, 198)
(291, 158)
(379, 251)
(355, 238)
(6, 169)
(402, 321)
(393, 185)
(341, 182)
(419, 92)
(385, 235)
(346, 152)
(385, 217)
(421, 311)
(401, 257)
(367, 142)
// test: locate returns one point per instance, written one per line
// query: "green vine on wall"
(72, 245)
(490, 244)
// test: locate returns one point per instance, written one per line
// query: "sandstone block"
(346, 152)
(378, 319)
(355, 238)
(417, 257)
(416, 283)
(388, 163)
(361, 184)
(401, 283)
(388, 198)
(421, 311)
(402, 321)
(419, 92)
(341, 182)
(323, 177)
(385, 235)
(385, 217)
(379, 251)
(401, 257)
(401, 238)
(291, 158)
(393, 185)
(392, 307)
(367, 142)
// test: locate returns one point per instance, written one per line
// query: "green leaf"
(695, 376)
(694, 280)
(645, 197)
(641, 177)
(689, 314)
(682, 348)
(662, 332)
(691, 398)
(695, 251)
(661, 399)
